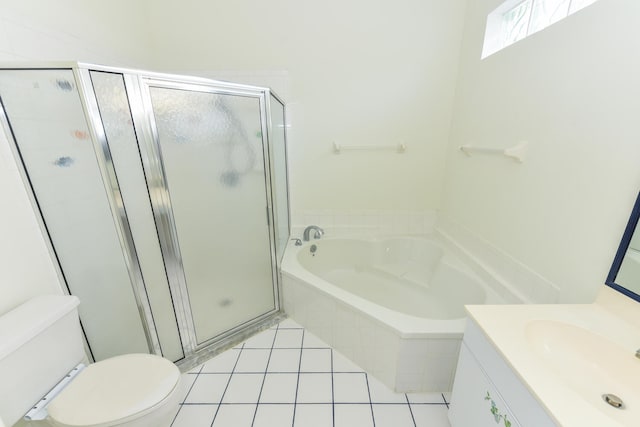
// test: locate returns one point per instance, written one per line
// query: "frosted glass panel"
(123, 145)
(547, 12)
(211, 147)
(515, 23)
(280, 189)
(576, 5)
(46, 115)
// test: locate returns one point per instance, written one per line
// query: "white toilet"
(41, 344)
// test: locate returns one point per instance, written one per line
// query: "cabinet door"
(475, 402)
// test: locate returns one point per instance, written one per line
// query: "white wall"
(572, 91)
(43, 30)
(110, 32)
(356, 72)
(379, 73)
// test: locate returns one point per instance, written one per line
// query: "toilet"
(42, 354)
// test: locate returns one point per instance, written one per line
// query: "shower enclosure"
(164, 199)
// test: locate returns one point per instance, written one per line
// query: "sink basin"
(589, 364)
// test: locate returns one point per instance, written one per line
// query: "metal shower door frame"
(114, 195)
(137, 87)
(138, 90)
(270, 138)
(112, 191)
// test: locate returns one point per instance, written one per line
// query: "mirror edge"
(622, 250)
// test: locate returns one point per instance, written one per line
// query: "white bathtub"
(394, 306)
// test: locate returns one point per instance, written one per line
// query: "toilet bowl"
(40, 345)
(129, 390)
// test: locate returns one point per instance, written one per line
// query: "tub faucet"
(318, 234)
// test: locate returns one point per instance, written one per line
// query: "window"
(514, 20)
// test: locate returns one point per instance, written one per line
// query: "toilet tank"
(40, 342)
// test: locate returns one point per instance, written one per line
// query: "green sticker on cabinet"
(496, 412)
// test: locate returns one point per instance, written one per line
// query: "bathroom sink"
(589, 364)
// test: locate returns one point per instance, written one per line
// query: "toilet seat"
(115, 391)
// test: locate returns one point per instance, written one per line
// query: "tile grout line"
(227, 386)
(319, 403)
(410, 410)
(445, 400)
(284, 348)
(264, 378)
(186, 395)
(356, 403)
(295, 399)
(333, 403)
(283, 372)
(373, 417)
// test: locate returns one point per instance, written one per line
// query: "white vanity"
(549, 365)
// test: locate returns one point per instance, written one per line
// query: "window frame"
(496, 37)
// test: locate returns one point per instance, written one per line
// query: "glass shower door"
(279, 174)
(46, 119)
(210, 189)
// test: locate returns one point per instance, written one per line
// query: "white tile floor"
(285, 376)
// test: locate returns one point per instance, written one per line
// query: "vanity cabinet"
(486, 391)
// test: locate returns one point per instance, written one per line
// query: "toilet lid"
(115, 389)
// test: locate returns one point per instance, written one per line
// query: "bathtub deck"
(286, 376)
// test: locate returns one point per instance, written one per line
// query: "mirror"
(624, 275)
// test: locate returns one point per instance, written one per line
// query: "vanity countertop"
(569, 355)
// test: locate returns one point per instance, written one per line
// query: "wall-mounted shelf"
(517, 152)
(398, 148)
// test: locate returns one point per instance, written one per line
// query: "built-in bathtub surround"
(512, 279)
(393, 305)
(373, 222)
(504, 272)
